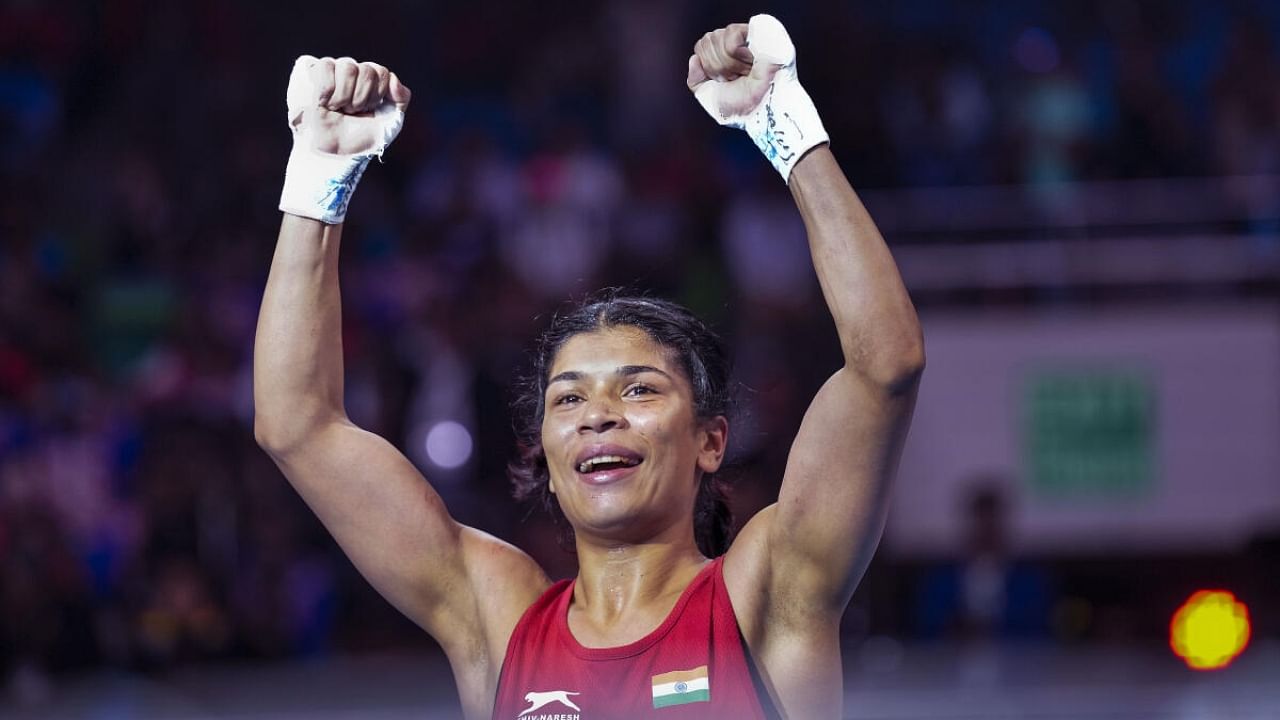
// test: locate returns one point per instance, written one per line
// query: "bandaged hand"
(342, 113)
(744, 76)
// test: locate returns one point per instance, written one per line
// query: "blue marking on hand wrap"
(339, 190)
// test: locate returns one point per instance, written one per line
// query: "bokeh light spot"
(1036, 50)
(1210, 630)
(448, 444)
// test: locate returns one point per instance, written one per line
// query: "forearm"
(297, 362)
(879, 332)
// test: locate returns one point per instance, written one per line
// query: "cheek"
(651, 427)
(553, 439)
(555, 432)
(667, 432)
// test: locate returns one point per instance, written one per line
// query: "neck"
(616, 580)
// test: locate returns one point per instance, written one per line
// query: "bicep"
(835, 489)
(398, 533)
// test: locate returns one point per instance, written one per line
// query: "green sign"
(1089, 432)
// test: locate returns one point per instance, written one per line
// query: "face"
(624, 448)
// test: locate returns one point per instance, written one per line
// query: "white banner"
(1110, 431)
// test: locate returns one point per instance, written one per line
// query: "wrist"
(786, 126)
(810, 165)
(319, 185)
(297, 223)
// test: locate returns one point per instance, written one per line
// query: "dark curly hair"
(701, 356)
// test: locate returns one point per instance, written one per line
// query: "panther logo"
(539, 699)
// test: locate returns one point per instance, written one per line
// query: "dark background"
(552, 149)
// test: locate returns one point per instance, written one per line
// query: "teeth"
(602, 459)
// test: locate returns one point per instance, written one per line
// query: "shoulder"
(765, 597)
(505, 585)
(793, 642)
(535, 625)
(746, 572)
(500, 583)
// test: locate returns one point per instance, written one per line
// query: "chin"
(618, 524)
(605, 521)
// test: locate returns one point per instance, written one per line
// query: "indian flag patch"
(680, 687)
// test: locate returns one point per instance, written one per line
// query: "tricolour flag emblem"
(681, 686)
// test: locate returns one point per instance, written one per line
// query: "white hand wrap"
(318, 184)
(785, 125)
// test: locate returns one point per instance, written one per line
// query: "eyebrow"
(623, 371)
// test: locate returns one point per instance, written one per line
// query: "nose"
(600, 415)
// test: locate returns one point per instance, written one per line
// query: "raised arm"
(835, 490)
(465, 588)
(802, 557)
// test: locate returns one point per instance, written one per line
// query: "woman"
(627, 428)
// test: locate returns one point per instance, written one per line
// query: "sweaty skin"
(620, 388)
(793, 567)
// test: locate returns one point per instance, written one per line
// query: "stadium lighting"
(1209, 630)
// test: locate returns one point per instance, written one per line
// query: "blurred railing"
(1115, 261)
(1159, 232)
(940, 213)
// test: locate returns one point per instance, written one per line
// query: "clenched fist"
(744, 76)
(342, 114)
(345, 107)
(723, 57)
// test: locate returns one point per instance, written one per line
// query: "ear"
(715, 438)
(551, 483)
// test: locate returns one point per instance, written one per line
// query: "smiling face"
(623, 445)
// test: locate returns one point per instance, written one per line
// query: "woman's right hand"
(342, 106)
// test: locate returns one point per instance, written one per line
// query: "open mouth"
(604, 463)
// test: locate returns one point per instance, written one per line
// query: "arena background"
(1084, 198)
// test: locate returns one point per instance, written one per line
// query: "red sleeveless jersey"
(694, 665)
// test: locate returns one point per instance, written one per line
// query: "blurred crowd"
(551, 150)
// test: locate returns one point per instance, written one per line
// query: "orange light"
(1210, 630)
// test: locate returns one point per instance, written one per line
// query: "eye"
(637, 390)
(566, 399)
